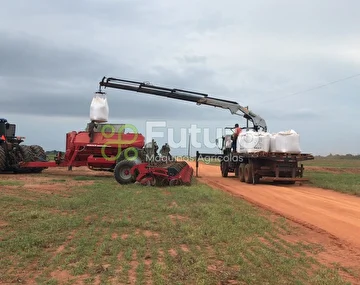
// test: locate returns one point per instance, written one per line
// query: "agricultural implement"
(163, 174)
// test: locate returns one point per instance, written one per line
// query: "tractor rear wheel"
(40, 155)
(2, 159)
(30, 156)
(39, 152)
(27, 154)
(122, 172)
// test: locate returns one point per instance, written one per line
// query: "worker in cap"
(237, 131)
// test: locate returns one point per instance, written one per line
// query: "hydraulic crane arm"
(198, 98)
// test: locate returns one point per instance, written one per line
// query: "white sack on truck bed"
(251, 141)
(286, 142)
(99, 108)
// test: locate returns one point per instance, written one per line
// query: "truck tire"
(122, 172)
(2, 159)
(236, 171)
(256, 179)
(242, 172)
(248, 173)
(39, 152)
(224, 169)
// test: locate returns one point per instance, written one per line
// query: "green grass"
(87, 178)
(11, 183)
(333, 162)
(342, 182)
(114, 233)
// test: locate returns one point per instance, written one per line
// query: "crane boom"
(198, 98)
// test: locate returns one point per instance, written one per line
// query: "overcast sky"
(258, 53)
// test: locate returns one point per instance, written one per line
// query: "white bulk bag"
(228, 141)
(99, 108)
(251, 141)
(241, 142)
(286, 142)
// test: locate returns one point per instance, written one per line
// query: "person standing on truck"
(91, 128)
(237, 131)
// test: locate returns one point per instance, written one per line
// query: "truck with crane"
(249, 167)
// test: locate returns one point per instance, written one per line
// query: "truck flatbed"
(254, 167)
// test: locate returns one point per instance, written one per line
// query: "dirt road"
(335, 214)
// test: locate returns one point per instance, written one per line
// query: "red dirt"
(184, 248)
(133, 266)
(3, 224)
(148, 273)
(177, 218)
(334, 213)
(331, 218)
(172, 252)
(68, 239)
(124, 236)
(149, 234)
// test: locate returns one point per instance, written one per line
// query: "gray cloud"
(258, 53)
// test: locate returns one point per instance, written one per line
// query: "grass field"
(334, 162)
(338, 174)
(94, 230)
(342, 182)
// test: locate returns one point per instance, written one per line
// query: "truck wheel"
(256, 179)
(248, 173)
(122, 172)
(236, 171)
(242, 172)
(2, 159)
(224, 169)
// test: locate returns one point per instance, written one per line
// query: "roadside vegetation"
(97, 231)
(342, 182)
(335, 172)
